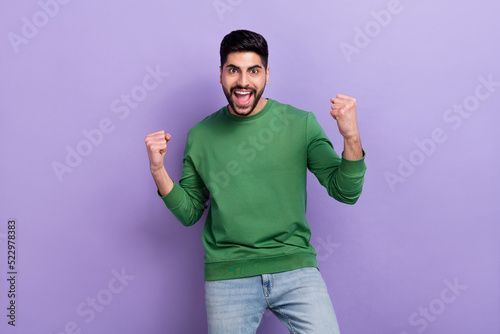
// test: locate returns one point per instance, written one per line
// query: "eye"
(254, 71)
(232, 70)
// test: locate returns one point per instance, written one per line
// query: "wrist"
(352, 148)
(353, 139)
(156, 170)
(163, 181)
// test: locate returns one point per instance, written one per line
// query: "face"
(243, 78)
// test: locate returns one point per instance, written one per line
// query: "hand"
(344, 112)
(156, 144)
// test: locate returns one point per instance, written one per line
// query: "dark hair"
(243, 41)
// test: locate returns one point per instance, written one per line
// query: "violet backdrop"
(83, 82)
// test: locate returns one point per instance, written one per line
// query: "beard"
(242, 110)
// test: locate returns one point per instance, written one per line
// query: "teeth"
(242, 93)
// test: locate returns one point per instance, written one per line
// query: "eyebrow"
(237, 67)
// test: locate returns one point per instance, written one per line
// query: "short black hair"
(244, 41)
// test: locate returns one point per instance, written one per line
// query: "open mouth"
(243, 97)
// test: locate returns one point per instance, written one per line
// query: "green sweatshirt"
(254, 168)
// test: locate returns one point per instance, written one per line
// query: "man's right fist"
(156, 143)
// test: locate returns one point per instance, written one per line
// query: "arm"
(343, 177)
(186, 200)
(344, 112)
(156, 144)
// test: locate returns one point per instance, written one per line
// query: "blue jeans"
(299, 299)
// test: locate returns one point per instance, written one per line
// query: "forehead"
(243, 59)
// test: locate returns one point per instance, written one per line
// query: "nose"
(243, 79)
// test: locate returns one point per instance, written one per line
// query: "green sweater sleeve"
(342, 178)
(187, 200)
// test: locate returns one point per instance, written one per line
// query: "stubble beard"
(231, 100)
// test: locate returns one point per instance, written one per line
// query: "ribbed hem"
(252, 267)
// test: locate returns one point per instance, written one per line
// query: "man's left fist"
(344, 112)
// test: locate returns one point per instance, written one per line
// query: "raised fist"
(344, 112)
(156, 144)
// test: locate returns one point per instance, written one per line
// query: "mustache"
(241, 87)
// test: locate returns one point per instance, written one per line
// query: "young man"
(251, 157)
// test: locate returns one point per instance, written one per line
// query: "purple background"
(385, 260)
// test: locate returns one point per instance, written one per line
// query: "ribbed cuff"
(174, 198)
(353, 168)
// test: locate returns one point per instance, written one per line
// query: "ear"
(220, 77)
(267, 75)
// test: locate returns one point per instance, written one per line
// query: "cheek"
(224, 83)
(261, 82)
(227, 82)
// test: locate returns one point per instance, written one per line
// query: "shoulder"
(290, 113)
(207, 124)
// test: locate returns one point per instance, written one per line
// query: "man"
(251, 157)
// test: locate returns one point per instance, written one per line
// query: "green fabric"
(254, 169)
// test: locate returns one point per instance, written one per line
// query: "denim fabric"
(299, 299)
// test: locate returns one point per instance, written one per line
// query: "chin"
(243, 111)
